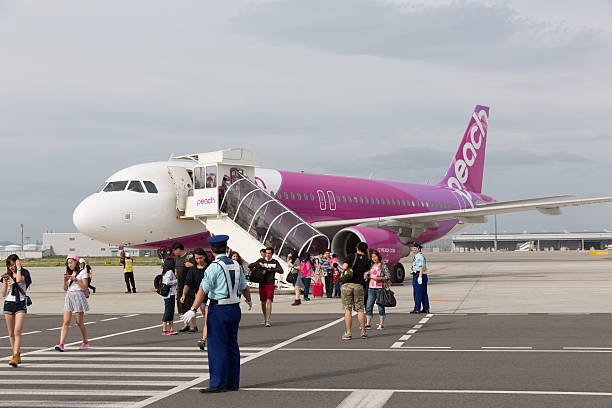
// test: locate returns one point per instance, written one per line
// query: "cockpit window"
(150, 186)
(115, 186)
(136, 187)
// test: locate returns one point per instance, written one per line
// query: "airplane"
(187, 198)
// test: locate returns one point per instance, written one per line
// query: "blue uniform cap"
(218, 240)
(416, 244)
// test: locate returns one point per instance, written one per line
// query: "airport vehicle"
(189, 197)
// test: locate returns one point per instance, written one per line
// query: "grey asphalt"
(556, 354)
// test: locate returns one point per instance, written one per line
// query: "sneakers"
(194, 329)
(164, 333)
(415, 311)
(347, 336)
(59, 347)
(15, 360)
(267, 323)
(201, 344)
(172, 333)
(368, 326)
(297, 302)
(84, 346)
(185, 329)
(306, 299)
(379, 327)
(364, 335)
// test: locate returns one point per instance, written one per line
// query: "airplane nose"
(86, 220)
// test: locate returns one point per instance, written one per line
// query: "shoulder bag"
(347, 274)
(386, 298)
(27, 298)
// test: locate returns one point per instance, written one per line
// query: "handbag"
(27, 298)
(257, 275)
(347, 275)
(292, 276)
(386, 298)
(87, 293)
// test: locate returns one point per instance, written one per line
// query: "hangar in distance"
(189, 197)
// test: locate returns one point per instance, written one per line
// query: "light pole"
(495, 215)
(21, 237)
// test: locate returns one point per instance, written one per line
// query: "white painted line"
(587, 348)
(168, 349)
(87, 374)
(86, 323)
(109, 382)
(438, 349)
(366, 399)
(206, 376)
(65, 404)
(55, 328)
(424, 320)
(132, 315)
(428, 347)
(81, 392)
(397, 344)
(405, 337)
(412, 331)
(32, 332)
(80, 356)
(195, 354)
(506, 348)
(109, 319)
(509, 392)
(417, 326)
(429, 315)
(122, 366)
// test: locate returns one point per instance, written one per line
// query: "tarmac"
(504, 330)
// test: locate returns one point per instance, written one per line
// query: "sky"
(350, 87)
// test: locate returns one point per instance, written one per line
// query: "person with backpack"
(84, 265)
(354, 270)
(268, 267)
(306, 273)
(75, 285)
(15, 282)
(169, 279)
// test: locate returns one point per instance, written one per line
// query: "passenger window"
(388, 202)
(344, 199)
(136, 187)
(366, 200)
(211, 176)
(377, 201)
(361, 200)
(199, 177)
(286, 195)
(151, 188)
(292, 196)
(355, 200)
(412, 203)
(403, 203)
(349, 199)
(115, 186)
(312, 197)
(299, 196)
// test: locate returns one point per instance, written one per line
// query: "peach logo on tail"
(205, 201)
(470, 151)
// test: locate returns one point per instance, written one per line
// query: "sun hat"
(72, 256)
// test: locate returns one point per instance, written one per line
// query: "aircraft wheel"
(397, 273)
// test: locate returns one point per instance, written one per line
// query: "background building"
(541, 241)
(63, 243)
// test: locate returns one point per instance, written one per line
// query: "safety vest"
(233, 290)
(128, 265)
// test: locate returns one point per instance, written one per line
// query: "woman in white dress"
(75, 285)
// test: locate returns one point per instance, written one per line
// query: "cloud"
(469, 34)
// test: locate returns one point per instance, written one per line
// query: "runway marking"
(65, 404)
(445, 349)
(122, 366)
(109, 382)
(196, 354)
(109, 319)
(587, 348)
(425, 391)
(86, 323)
(161, 348)
(202, 378)
(23, 334)
(411, 332)
(63, 357)
(86, 374)
(80, 392)
(506, 348)
(366, 399)
(132, 315)
(55, 328)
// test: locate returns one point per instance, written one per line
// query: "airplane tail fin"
(466, 169)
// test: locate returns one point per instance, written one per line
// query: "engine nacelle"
(383, 240)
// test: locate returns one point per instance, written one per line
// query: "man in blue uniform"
(223, 283)
(419, 280)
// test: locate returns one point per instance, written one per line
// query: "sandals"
(201, 344)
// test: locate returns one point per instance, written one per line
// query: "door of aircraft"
(182, 184)
(332, 200)
(322, 203)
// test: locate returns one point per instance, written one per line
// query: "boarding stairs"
(254, 219)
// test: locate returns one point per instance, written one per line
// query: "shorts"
(13, 308)
(266, 292)
(352, 297)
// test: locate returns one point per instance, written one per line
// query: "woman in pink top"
(306, 273)
(379, 277)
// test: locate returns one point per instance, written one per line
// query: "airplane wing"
(468, 215)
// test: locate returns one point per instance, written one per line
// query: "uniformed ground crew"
(223, 283)
(128, 274)
(419, 280)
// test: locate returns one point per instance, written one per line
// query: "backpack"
(347, 275)
(258, 275)
(161, 288)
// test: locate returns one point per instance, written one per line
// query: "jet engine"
(383, 240)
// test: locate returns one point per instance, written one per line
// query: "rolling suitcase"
(317, 289)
